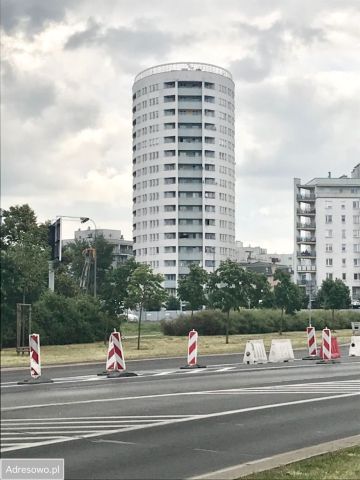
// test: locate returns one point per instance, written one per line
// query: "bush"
(62, 320)
(212, 322)
(207, 322)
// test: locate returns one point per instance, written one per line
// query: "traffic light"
(54, 239)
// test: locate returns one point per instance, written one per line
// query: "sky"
(67, 73)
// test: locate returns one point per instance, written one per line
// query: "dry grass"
(341, 465)
(156, 345)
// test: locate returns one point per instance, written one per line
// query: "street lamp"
(85, 220)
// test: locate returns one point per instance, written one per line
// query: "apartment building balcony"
(306, 254)
(190, 145)
(197, 91)
(306, 240)
(306, 268)
(189, 117)
(306, 226)
(306, 213)
(305, 282)
(190, 131)
(301, 197)
(191, 104)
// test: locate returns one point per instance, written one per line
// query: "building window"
(210, 236)
(329, 276)
(170, 194)
(169, 180)
(329, 262)
(343, 247)
(356, 219)
(169, 263)
(343, 218)
(356, 276)
(210, 222)
(170, 276)
(343, 262)
(328, 218)
(209, 263)
(169, 236)
(356, 204)
(344, 276)
(356, 247)
(328, 233)
(328, 248)
(170, 221)
(171, 249)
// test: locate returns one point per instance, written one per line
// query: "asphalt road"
(172, 423)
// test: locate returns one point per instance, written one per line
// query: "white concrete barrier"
(255, 352)
(281, 351)
(354, 350)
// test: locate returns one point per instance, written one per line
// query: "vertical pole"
(51, 276)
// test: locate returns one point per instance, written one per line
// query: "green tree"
(334, 295)
(24, 257)
(145, 287)
(19, 224)
(115, 288)
(172, 303)
(229, 289)
(288, 296)
(191, 289)
(259, 290)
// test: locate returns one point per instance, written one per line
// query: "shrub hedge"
(212, 322)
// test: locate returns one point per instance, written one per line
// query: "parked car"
(355, 304)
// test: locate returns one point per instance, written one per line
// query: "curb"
(279, 460)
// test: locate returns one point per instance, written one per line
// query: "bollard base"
(326, 362)
(35, 381)
(121, 374)
(192, 367)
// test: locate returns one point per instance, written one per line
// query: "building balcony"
(306, 240)
(306, 213)
(190, 117)
(301, 197)
(306, 254)
(308, 283)
(306, 226)
(306, 268)
(190, 91)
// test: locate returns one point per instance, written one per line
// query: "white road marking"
(54, 440)
(211, 369)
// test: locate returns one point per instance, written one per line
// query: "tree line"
(68, 315)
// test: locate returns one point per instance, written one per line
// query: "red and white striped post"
(115, 363)
(326, 344)
(115, 359)
(311, 341)
(35, 360)
(192, 348)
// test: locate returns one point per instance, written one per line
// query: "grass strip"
(153, 344)
(341, 465)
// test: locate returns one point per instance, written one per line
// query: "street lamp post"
(84, 220)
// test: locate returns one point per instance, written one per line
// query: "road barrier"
(329, 349)
(311, 342)
(192, 351)
(281, 351)
(115, 359)
(255, 352)
(354, 350)
(35, 362)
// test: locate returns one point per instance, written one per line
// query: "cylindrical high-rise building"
(183, 168)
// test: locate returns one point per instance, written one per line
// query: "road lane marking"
(310, 389)
(211, 369)
(178, 420)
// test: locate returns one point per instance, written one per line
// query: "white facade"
(259, 254)
(327, 231)
(183, 168)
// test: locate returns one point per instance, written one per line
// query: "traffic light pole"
(51, 276)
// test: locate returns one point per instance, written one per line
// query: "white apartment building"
(183, 168)
(259, 254)
(327, 231)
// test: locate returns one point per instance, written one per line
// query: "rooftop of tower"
(195, 66)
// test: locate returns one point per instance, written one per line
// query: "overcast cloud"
(67, 74)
